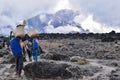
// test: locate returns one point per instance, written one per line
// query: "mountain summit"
(60, 21)
(61, 18)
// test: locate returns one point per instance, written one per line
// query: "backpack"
(29, 44)
(35, 44)
(15, 47)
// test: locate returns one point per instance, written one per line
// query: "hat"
(33, 33)
(21, 23)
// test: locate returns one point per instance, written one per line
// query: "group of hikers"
(19, 46)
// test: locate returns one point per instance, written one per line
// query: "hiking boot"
(19, 73)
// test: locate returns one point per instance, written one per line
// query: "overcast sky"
(95, 15)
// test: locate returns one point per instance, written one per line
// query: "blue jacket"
(16, 47)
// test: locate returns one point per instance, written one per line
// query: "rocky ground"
(67, 59)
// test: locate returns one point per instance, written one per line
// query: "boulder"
(108, 39)
(58, 69)
(46, 56)
(47, 70)
(81, 71)
(115, 75)
(110, 56)
(113, 63)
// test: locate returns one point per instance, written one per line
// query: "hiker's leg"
(29, 54)
(20, 65)
(36, 55)
(33, 54)
(16, 65)
(24, 54)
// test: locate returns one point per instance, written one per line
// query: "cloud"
(16, 10)
(62, 4)
(94, 26)
(61, 29)
(103, 11)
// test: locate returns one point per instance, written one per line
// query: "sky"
(96, 15)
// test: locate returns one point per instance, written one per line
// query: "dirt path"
(105, 70)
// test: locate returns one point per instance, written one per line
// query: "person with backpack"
(35, 47)
(17, 53)
(28, 45)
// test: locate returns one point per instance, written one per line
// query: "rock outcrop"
(47, 70)
(54, 69)
(115, 75)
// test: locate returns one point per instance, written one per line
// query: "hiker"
(16, 48)
(17, 53)
(35, 47)
(34, 35)
(28, 45)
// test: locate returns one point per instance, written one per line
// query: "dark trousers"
(24, 53)
(19, 64)
(29, 54)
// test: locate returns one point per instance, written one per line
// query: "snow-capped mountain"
(58, 21)
(63, 18)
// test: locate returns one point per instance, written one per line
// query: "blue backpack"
(35, 44)
(15, 47)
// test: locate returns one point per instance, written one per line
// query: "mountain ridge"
(64, 17)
